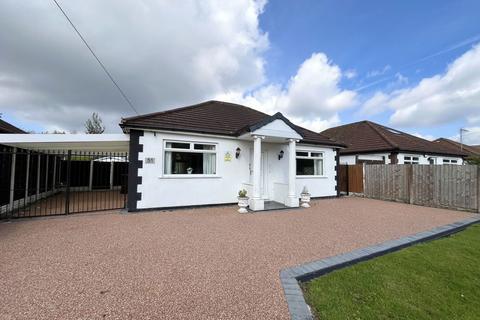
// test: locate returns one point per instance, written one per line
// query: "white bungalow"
(205, 153)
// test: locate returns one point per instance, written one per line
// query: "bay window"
(309, 163)
(190, 158)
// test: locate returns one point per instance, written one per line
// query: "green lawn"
(433, 280)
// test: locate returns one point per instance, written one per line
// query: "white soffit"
(77, 142)
(277, 128)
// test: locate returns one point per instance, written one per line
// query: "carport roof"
(77, 142)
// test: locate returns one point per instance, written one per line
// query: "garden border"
(290, 277)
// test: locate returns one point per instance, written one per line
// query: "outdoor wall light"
(237, 152)
(280, 155)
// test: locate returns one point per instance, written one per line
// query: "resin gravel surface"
(208, 263)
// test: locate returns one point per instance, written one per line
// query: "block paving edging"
(290, 277)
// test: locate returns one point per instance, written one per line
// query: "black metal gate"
(45, 183)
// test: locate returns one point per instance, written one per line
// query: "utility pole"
(462, 130)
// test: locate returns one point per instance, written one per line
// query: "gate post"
(67, 190)
(11, 194)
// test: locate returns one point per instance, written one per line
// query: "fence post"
(348, 180)
(410, 183)
(67, 190)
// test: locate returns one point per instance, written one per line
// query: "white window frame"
(191, 149)
(411, 160)
(309, 156)
(450, 161)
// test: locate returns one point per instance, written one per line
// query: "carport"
(52, 174)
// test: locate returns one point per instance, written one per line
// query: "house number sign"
(149, 160)
(228, 157)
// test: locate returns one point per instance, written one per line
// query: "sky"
(411, 65)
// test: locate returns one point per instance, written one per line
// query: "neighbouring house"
(205, 153)
(369, 142)
(6, 127)
(471, 151)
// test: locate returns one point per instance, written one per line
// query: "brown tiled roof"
(216, 117)
(455, 146)
(6, 127)
(367, 136)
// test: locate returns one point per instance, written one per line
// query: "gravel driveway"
(209, 263)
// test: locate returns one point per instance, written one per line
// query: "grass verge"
(434, 280)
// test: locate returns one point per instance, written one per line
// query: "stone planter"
(243, 204)
(304, 200)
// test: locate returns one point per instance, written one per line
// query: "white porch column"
(256, 202)
(292, 199)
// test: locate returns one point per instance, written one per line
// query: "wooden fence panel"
(350, 178)
(445, 186)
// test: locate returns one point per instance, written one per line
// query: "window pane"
(302, 154)
(407, 158)
(415, 158)
(199, 146)
(189, 163)
(453, 161)
(319, 167)
(178, 145)
(305, 167)
(316, 155)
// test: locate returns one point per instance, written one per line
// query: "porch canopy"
(278, 129)
(74, 142)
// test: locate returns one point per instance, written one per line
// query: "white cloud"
(312, 97)
(442, 98)
(471, 136)
(376, 104)
(162, 55)
(453, 95)
(378, 72)
(400, 79)
(350, 74)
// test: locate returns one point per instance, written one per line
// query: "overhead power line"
(98, 59)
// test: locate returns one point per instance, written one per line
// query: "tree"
(473, 160)
(94, 125)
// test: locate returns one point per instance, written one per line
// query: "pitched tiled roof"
(367, 136)
(455, 146)
(6, 127)
(216, 117)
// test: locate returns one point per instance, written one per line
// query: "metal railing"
(45, 183)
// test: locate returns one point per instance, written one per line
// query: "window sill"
(311, 177)
(189, 176)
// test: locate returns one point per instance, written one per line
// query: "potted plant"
(242, 201)
(305, 198)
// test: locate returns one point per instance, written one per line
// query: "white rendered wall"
(323, 186)
(351, 159)
(423, 159)
(160, 191)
